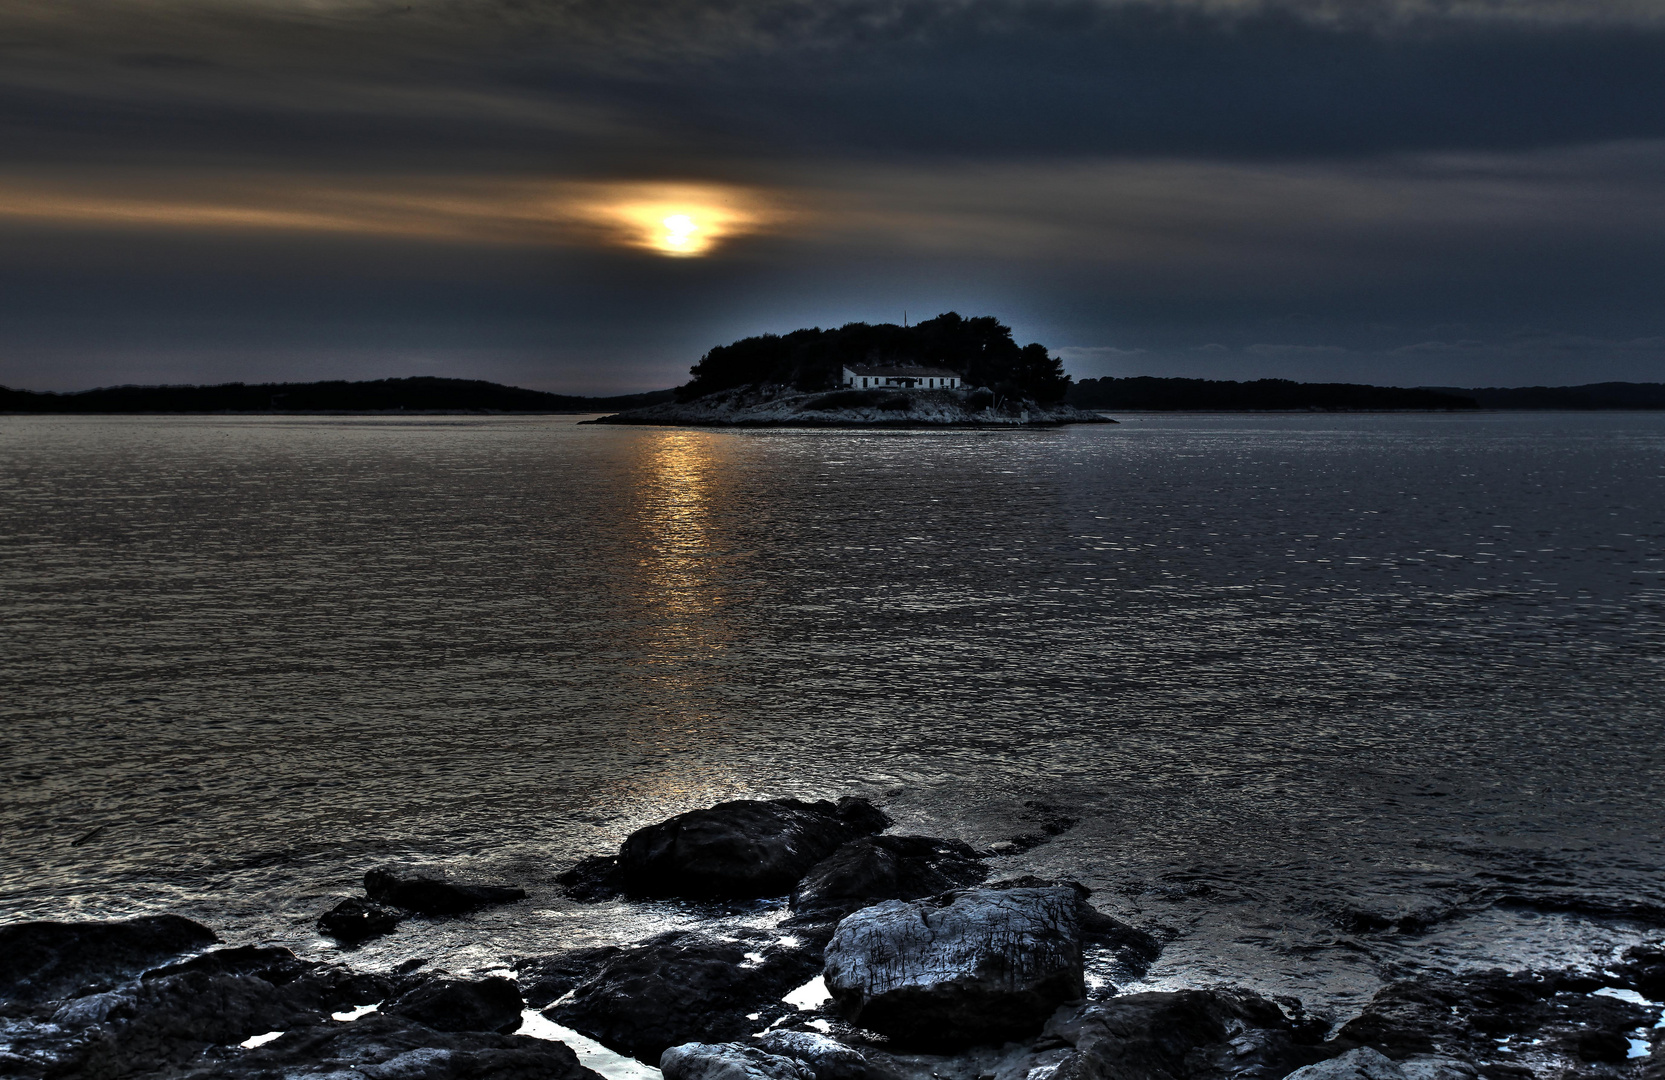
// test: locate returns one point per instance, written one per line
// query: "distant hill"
(1607, 395)
(1270, 395)
(420, 394)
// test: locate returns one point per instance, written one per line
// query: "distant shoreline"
(421, 395)
(430, 396)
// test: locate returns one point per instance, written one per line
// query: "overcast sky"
(585, 195)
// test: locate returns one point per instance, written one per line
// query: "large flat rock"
(969, 967)
(745, 849)
(41, 961)
(682, 988)
(874, 868)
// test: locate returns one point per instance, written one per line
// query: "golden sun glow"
(680, 219)
(681, 234)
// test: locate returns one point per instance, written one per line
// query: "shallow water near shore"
(1332, 699)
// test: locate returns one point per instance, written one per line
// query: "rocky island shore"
(780, 406)
(899, 958)
(948, 371)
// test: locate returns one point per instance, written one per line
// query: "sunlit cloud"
(676, 220)
(1181, 215)
(680, 220)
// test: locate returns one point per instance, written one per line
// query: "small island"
(949, 371)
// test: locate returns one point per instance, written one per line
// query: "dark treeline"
(420, 394)
(980, 349)
(825, 351)
(1608, 395)
(1209, 395)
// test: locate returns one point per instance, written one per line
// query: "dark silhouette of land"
(420, 394)
(1262, 395)
(429, 394)
(1283, 395)
(1606, 395)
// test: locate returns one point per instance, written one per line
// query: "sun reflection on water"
(681, 496)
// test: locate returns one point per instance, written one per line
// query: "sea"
(1322, 700)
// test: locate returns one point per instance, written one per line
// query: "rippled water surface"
(1331, 697)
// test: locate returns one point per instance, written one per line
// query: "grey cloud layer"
(1351, 179)
(620, 85)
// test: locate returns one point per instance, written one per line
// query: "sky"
(585, 195)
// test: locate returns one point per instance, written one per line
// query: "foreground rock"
(740, 850)
(827, 1058)
(775, 406)
(875, 868)
(729, 1061)
(1553, 1021)
(979, 966)
(1367, 1064)
(684, 987)
(1135, 949)
(381, 1047)
(1189, 1035)
(1186, 1035)
(435, 896)
(175, 1015)
(544, 979)
(42, 961)
(491, 1004)
(355, 920)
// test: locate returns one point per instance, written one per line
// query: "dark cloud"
(700, 84)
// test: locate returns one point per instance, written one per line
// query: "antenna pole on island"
(904, 318)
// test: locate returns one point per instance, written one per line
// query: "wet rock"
(169, 1020)
(593, 878)
(1253, 1054)
(743, 849)
(435, 896)
(1361, 1064)
(1186, 1035)
(1406, 913)
(544, 979)
(1365, 1063)
(684, 987)
(827, 1058)
(1136, 949)
(729, 1061)
(42, 961)
(1433, 1067)
(1418, 1017)
(385, 1047)
(1643, 970)
(491, 1004)
(355, 920)
(271, 964)
(1055, 822)
(978, 966)
(1465, 1016)
(1609, 1046)
(875, 868)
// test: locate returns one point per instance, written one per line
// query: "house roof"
(892, 371)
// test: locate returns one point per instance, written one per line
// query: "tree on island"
(979, 349)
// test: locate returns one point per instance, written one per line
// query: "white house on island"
(867, 376)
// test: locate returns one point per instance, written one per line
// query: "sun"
(682, 235)
(674, 220)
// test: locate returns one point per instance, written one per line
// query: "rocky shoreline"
(776, 406)
(900, 959)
